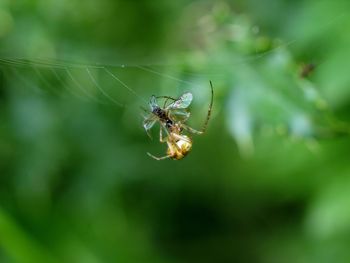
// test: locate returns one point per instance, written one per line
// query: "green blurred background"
(269, 180)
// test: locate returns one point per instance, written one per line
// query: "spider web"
(128, 85)
(83, 80)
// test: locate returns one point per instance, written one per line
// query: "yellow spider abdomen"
(180, 148)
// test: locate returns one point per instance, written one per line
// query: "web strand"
(102, 90)
(67, 66)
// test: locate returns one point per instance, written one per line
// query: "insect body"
(172, 119)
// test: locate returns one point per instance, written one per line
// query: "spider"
(172, 119)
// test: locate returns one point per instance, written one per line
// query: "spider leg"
(149, 135)
(204, 127)
(185, 115)
(161, 139)
(165, 129)
(170, 139)
(209, 109)
(158, 158)
(191, 130)
(166, 97)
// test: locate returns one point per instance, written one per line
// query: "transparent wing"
(153, 102)
(149, 122)
(182, 103)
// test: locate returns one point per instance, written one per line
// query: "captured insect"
(172, 119)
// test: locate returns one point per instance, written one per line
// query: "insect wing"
(149, 122)
(153, 102)
(183, 102)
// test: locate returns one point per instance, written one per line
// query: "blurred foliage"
(269, 180)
